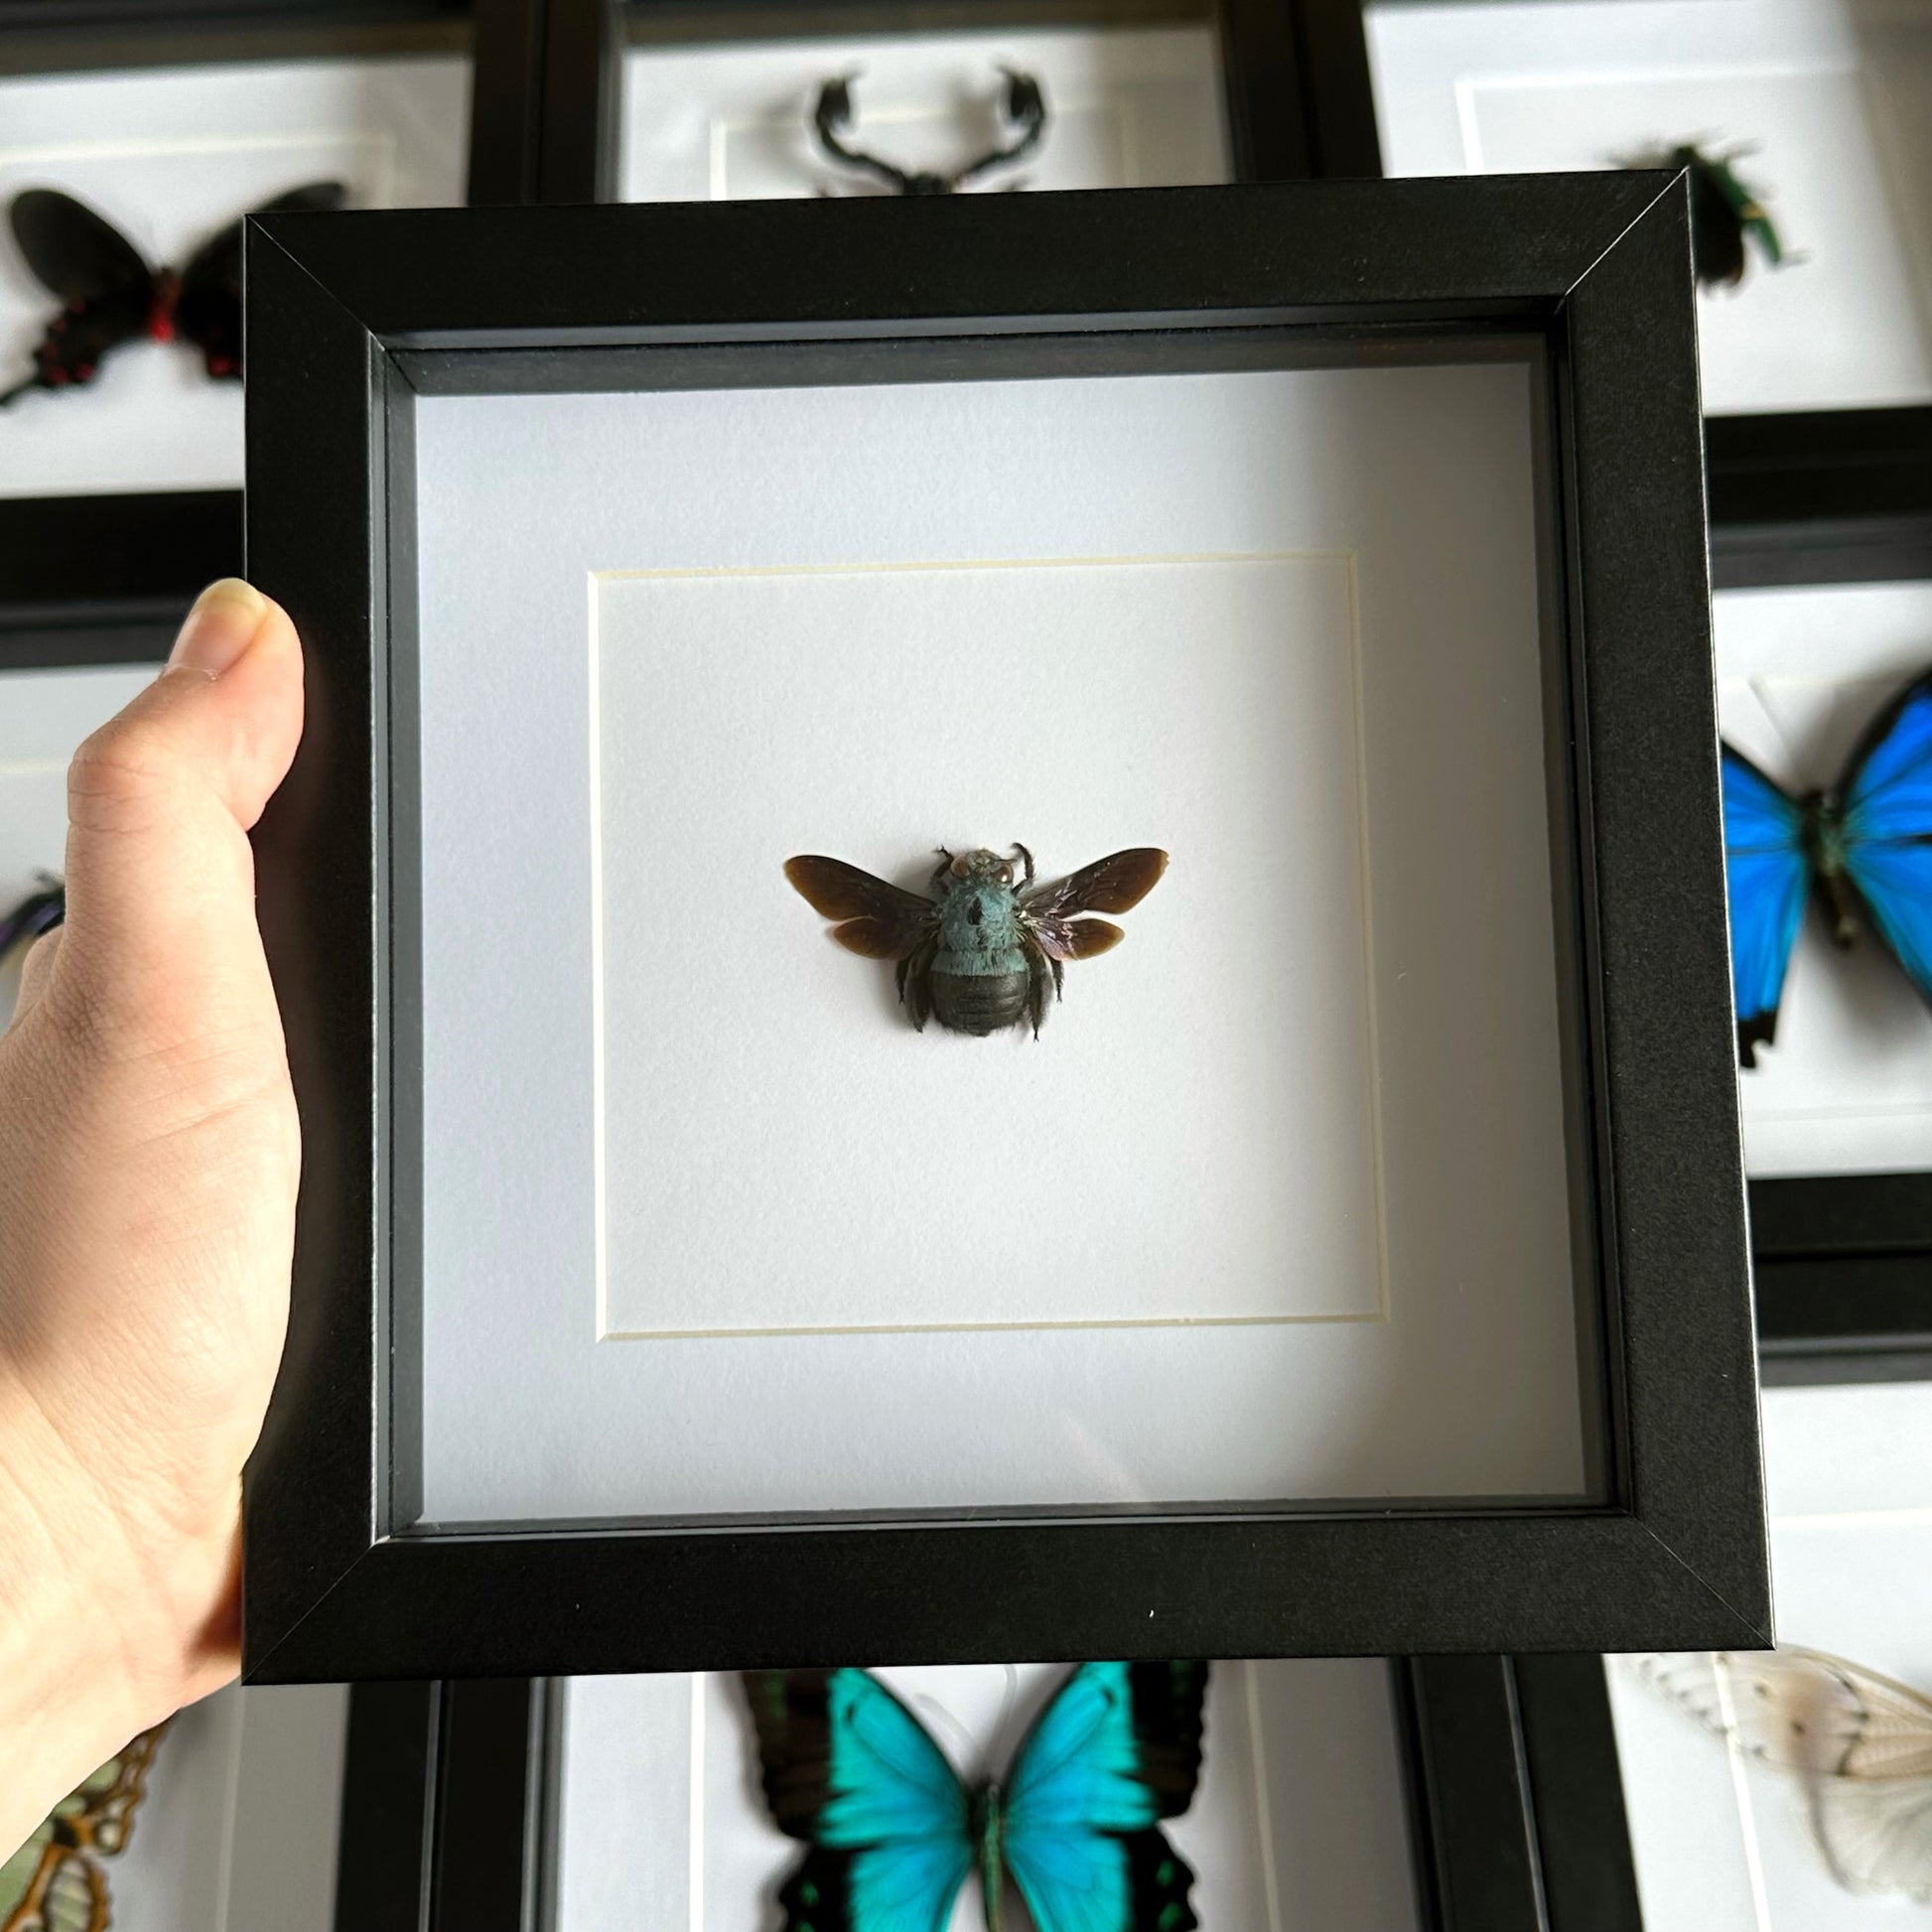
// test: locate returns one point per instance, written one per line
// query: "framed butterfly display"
(1412, 1795)
(57, 1881)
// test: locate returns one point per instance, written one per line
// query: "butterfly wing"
(851, 1773)
(1117, 1750)
(207, 308)
(60, 1890)
(1887, 805)
(1765, 876)
(98, 273)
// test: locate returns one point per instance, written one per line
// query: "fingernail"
(218, 629)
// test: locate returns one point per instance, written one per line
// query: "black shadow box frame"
(452, 1791)
(107, 579)
(1843, 1262)
(352, 318)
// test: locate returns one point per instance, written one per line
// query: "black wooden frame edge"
(1514, 1797)
(447, 1807)
(1517, 1820)
(336, 1597)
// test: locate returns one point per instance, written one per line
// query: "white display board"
(1831, 99)
(1128, 107)
(43, 716)
(1299, 1819)
(1847, 1088)
(1719, 1839)
(1284, 624)
(170, 156)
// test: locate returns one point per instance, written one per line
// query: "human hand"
(149, 1153)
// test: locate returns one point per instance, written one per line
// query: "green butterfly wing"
(54, 1883)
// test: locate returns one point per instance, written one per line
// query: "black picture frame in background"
(354, 317)
(1843, 1262)
(107, 579)
(451, 1797)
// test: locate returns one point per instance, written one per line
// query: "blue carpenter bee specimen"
(1864, 849)
(1724, 212)
(38, 912)
(892, 1834)
(1025, 113)
(982, 953)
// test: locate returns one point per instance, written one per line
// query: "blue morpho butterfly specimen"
(983, 954)
(1862, 849)
(38, 912)
(1724, 212)
(1023, 108)
(113, 297)
(892, 1833)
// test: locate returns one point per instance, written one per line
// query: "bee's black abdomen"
(979, 1003)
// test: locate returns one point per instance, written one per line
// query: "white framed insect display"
(120, 195)
(1102, 106)
(1791, 1790)
(1808, 124)
(1280, 1803)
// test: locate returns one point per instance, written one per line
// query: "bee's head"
(984, 867)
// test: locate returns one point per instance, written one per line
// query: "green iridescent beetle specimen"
(1724, 212)
(982, 953)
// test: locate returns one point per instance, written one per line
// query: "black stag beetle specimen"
(1023, 108)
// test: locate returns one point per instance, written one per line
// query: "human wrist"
(72, 1686)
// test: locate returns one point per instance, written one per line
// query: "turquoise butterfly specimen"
(1862, 848)
(892, 1833)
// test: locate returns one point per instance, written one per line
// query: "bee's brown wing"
(880, 922)
(1116, 884)
(1071, 938)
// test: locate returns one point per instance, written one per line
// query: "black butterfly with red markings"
(113, 297)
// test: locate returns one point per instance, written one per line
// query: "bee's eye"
(1005, 874)
(959, 866)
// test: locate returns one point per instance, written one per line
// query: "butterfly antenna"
(965, 1751)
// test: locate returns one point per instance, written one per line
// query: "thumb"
(160, 878)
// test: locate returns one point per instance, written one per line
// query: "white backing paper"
(1127, 107)
(532, 1409)
(1721, 1839)
(1299, 1819)
(1237, 1179)
(169, 157)
(1833, 99)
(1800, 673)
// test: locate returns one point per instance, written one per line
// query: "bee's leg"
(915, 984)
(1041, 973)
(1027, 857)
(943, 867)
